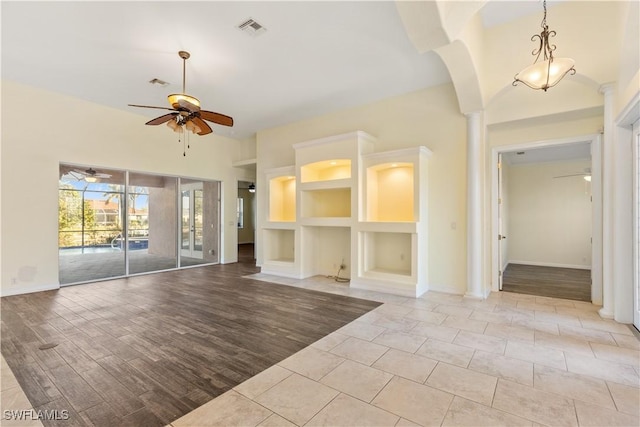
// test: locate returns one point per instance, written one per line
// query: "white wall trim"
(28, 290)
(320, 141)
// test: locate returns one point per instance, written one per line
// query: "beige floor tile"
(7, 379)
(465, 324)
(346, 411)
(439, 332)
(415, 402)
(509, 332)
(603, 369)
(426, 316)
(536, 405)
(392, 309)
(406, 365)
(478, 305)
(400, 341)
(607, 326)
(593, 416)
(442, 298)
(369, 317)
(330, 341)
(564, 343)
(446, 352)
(462, 382)
(403, 422)
(463, 412)
(626, 398)
(357, 380)
(559, 318)
(230, 409)
(359, 350)
(508, 368)
(276, 420)
(557, 302)
(454, 310)
(627, 341)
(311, 362)
(297, 398)
(421, 304)
(542, 355)
(14, 399)
(262, 382)
(396, 323)
(499, 318)
(578, 332)
(528, 305)
(613, 353)
(362, 330)
(481, 342)
(536, 325)
(574, 386)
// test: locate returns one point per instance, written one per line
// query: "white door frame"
(596, 185)
(636, 223)
(191, 188)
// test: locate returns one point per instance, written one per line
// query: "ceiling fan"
(586, 175)
(89, 175)
(186, 110)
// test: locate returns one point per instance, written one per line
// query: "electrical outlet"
(343, 266)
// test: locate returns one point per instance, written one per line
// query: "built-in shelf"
(350, 205)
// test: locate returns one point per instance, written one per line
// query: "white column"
(608, 173)
(474, 204)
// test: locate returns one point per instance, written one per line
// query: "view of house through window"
(107, 228)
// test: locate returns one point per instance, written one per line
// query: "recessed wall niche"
(282, 198)
(327, 170)
(390, 192)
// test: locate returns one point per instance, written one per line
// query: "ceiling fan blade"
(573, 174)
(218, 118)
(151, 106)
(162, 119)
(204, 127)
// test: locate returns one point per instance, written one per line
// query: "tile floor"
(511, 360)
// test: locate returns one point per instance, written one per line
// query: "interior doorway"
(545, 216)
(246, 221)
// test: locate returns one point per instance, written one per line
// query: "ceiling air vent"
(158, 82)
(252, 28)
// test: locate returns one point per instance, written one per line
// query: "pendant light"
(549, 71)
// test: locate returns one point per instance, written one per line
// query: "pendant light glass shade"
(545, 74)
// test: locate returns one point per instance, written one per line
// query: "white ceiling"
(315, 57)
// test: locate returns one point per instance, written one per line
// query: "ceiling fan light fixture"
(91, 179)
(177, 100)
(549, 71)
(587, 178)
(252, 188)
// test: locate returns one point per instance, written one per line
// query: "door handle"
(500, 237)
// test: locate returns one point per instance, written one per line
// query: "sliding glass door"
(115, 223)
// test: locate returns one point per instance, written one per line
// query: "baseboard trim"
(550, 264)
(31, 290)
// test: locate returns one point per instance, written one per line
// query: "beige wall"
(549, 219)
(428, 117)
(42, 129)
